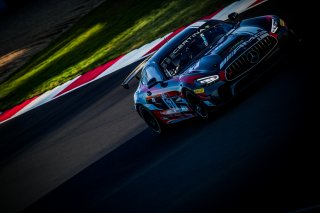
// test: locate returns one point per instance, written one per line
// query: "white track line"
(238, 6)
(45, 97)
(42, 99)
(257, 4)
(130, 58)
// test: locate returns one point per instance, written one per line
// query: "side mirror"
(152, 82)
(233, 16)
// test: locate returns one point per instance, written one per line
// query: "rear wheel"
(151, 120)
(199, 108)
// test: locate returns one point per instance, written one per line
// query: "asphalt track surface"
(88, 151)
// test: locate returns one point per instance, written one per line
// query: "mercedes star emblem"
(253, 56)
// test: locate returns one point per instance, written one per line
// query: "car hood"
(228, 48)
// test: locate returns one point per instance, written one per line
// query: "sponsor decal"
(168, 101)
(258, 36)
(198, 91)
(190, 38)
(174, 111)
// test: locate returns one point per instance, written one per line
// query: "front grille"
(250, 57)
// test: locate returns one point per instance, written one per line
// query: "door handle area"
(149, 93)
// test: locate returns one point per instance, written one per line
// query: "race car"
(203, 67)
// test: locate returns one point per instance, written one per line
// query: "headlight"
(206, 81)
(274, 25)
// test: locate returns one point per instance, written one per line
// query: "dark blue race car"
(204, 66)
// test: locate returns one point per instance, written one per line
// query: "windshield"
(192, 47)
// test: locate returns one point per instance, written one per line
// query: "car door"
(164, 97)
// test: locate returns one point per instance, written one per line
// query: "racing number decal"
(169, 102)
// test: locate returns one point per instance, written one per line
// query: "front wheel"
(151, 120)
(197, 105)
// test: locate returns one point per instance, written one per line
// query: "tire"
(198, 107)
(151, 120)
